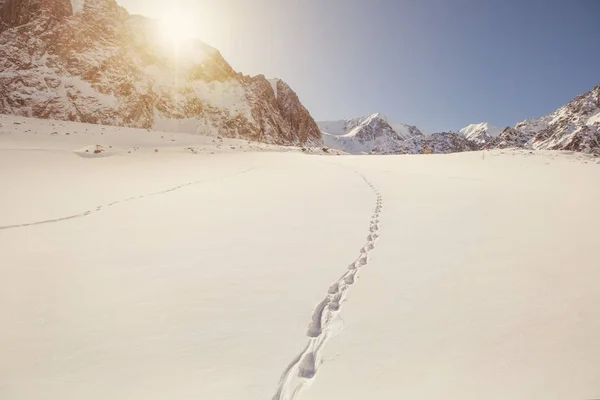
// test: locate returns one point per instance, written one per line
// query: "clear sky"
(436, 64)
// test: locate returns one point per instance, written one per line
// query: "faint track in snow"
(114, 203)
(323, 325)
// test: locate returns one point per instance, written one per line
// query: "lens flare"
(177, 28)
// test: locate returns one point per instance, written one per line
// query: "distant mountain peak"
(373, 133)
(480, 133)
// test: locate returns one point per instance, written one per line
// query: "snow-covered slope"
(371, 134)
(480, 133)
(575, 126)
(102, 65)
(151, 271)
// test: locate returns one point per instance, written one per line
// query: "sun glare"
(177, 28)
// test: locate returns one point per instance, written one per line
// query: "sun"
(177, 28)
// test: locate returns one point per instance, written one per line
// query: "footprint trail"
(303, 369)
(100, 208)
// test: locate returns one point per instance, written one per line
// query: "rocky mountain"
(480, 134)
(575, 126)
(371, 134)
(14, 13)
(101, 65)
(374, 134)
(437, 143)
(509, 138)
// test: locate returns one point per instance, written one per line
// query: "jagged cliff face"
(19, 12)
(105, 66)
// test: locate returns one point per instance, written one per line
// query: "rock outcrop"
(576, 126)
(20, 12)
(509, 138)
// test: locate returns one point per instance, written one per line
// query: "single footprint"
(349, 279)
(307, 368)
(315, 328)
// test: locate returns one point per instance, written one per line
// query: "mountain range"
(575, 126)
(91, 61)
(375, 134)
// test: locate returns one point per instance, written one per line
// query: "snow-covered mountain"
(480, 133)
(371, 134)
(102, 65)
(575, 126)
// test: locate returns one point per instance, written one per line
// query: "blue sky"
(436, 64)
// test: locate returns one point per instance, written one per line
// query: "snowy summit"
(371, 134)
(480, 133)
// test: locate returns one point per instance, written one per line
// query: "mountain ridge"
(103, 65)
(369, 134)
(574, 126)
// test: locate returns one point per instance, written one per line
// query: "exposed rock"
(437, 143)
(20, 12)
(575, 126)
(105, 66)
(509, 138)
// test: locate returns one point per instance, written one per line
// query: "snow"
(345, 127)
(594, 119)
(85, 89)
(470, 290)
(403, 130)
(361, 135)
(335, 128)
(77, 5)
(187, 125)
(478, 132)
(273, 83)
(229, 96)
(534, 126)
(159, 272)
